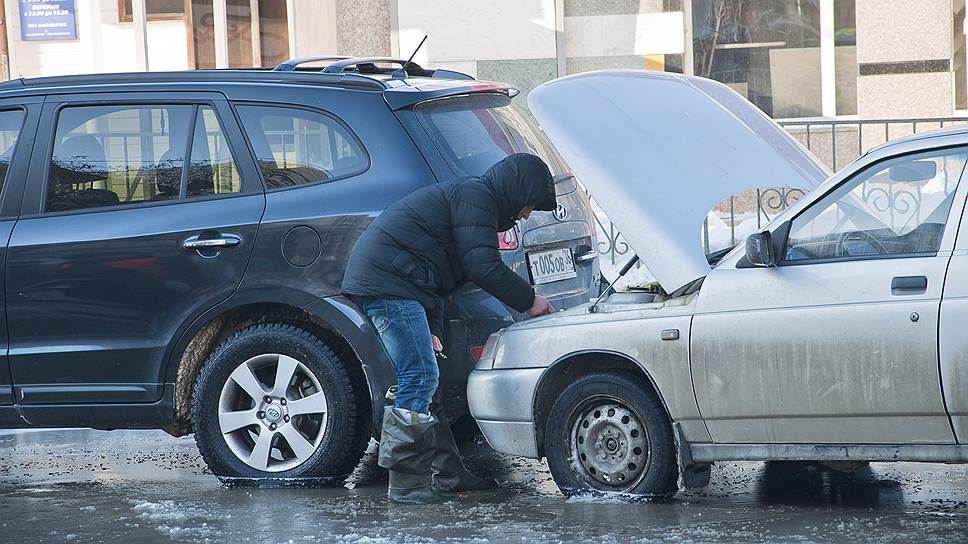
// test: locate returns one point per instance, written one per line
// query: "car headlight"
(486, 362)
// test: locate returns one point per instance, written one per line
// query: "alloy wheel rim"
(609, 444)
(272, 412)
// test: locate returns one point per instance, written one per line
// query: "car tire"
(332, 427)
(615, 414)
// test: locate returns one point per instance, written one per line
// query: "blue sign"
(47, 20)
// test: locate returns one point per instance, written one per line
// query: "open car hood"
(657, 151)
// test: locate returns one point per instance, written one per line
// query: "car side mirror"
(759, 249)
(914, 171)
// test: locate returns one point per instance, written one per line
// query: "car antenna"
(402, 72)
(611, 287)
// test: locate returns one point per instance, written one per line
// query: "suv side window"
(893, 208)
(296, 146)
(114, 155)
(11, 122)
(212, 169)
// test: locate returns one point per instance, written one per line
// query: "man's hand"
(540, 307)
(438, 346)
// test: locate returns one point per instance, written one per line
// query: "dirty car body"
(831, 335)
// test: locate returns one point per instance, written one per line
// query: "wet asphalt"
(145, 486)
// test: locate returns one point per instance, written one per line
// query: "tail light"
(476, 352)
(507, 239)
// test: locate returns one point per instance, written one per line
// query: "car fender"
(350, 322)
(272, 295)
(621, 360)
(630, 337)
(336, 312)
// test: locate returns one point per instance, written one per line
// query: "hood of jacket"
(518, 181)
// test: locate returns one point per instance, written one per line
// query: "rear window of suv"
(475, 131)
(296, 146)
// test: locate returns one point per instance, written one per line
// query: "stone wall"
(904, 52)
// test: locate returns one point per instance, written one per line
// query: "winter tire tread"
(346, 434)
(662, 474)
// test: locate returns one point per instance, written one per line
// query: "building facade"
(841, 75)
(792, 58)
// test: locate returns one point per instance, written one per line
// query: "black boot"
(450, 474)
(407, 449)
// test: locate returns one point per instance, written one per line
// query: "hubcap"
(272, 412)
(610, 444)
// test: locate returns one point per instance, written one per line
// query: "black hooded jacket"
(439, 237)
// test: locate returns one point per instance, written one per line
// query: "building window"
(628, 34)
(254, 39)
(767, 50)
(158, 10)
(770, 52)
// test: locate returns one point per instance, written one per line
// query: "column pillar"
(828, 68)
(139, 16)
(256, 32)
(220, 13)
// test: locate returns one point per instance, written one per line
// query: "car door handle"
(225, 240)
(909, 285)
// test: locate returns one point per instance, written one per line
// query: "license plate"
(549, 266)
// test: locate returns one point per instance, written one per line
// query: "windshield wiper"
(714, 257)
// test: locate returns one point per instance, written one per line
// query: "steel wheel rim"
(609, 444)
(272, 412)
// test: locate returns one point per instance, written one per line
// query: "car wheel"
(609, 432)
(273, 401)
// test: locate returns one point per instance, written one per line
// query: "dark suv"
(174, 245)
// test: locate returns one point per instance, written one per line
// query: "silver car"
(836, 333)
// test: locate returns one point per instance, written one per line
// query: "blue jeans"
(405, 333)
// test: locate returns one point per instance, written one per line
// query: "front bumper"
(502, 402)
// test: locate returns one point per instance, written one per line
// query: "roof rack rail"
(292, 64)
(368, 65)
(196, 76)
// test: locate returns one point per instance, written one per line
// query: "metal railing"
(835, 142)
(877, 131)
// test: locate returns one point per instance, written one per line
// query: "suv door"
(839, 342)
(18, 122)
(140, 213)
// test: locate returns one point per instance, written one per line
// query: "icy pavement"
(144, 486)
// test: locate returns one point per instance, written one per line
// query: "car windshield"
(475, 131)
